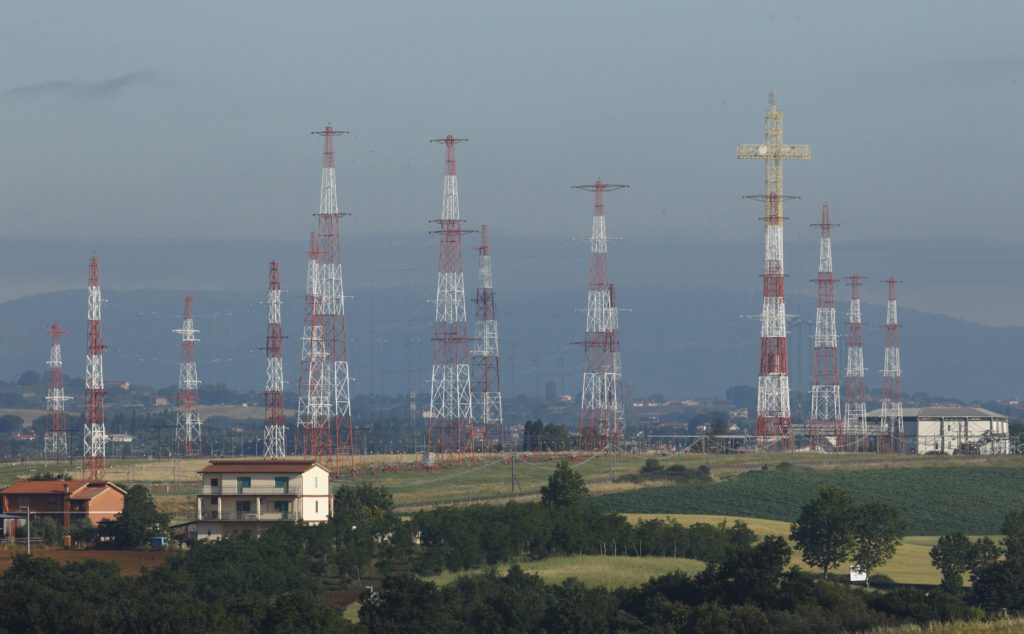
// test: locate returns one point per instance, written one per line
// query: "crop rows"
(934, 501)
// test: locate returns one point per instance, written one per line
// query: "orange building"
(64, 500)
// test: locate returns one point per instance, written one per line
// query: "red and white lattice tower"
(324, 424)
(188, 432)
(773, 412)
(55, 436)
(94, 432)
(486, 378)
(274, 426)
(826, 412)
(450, 432)
(891, 432)
(602, 409)
(855, 421)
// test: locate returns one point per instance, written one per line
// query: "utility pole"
(892, 376)
(94, 432)
(273, 411)
(55, 438)
(773, 412)
(826, 412)
(450, 432)
(601, 408)
(188, 435)
(324, 418)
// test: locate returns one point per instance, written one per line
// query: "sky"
(191, 121)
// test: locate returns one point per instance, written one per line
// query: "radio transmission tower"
(892, 377)
(55, 438)
(324, 425)
(274, 427)
(451, 400)
(826, 413)
(602, 410)
(856, 421)
(188, 431)
(486, 378)
(94, 432)
(773, 413)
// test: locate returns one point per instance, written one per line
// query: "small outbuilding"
(951, 429)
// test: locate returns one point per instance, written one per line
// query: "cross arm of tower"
(760, 151)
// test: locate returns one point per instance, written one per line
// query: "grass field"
(910, 564)
(934, 500)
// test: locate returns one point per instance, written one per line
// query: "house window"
(243, 506)
(214, 482)
(244, 483)
(281, 482)
(316, 506)
(280, 506)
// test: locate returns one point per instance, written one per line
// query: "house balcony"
(233, 490)
(247, 516)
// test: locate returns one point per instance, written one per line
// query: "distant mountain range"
(678, 344)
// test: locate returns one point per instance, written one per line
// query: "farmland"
(933, 500)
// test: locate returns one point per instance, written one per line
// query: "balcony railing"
(232, 489)
(249, 516)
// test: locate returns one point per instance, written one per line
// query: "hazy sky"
(192, 118)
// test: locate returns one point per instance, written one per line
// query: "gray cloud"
(81, 90)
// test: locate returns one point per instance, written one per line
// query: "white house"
(239, 496)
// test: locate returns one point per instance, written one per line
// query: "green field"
(934, 500)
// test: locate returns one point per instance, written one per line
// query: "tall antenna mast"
(856, 421)
(826, 413)
(773, 412)
(274, 426)
(188, 431)
(55, 438)
(94, 432)
(892, 378)
(450, 432)
(602, 411)
(486, 378)
(324, 424)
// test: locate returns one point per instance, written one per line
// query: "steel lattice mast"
(451, 398)
(855, 423)
(773, 411)
(55, 437)
(826, 412)
(486, 378)
(94, 432)
(274, 426)
(891, 432)
(188, 431)
(324, 425)
(602, 410)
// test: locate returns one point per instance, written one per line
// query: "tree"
(877, 531)
(139, 521)
(565, 487)
(9, 423)
(953, 555)
(82, 530)
(824, 531)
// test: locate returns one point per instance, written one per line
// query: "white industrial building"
(949, 430)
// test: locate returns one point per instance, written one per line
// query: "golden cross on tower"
(773, 150)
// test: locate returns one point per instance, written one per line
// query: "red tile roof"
(79, 489)
(260, 466)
